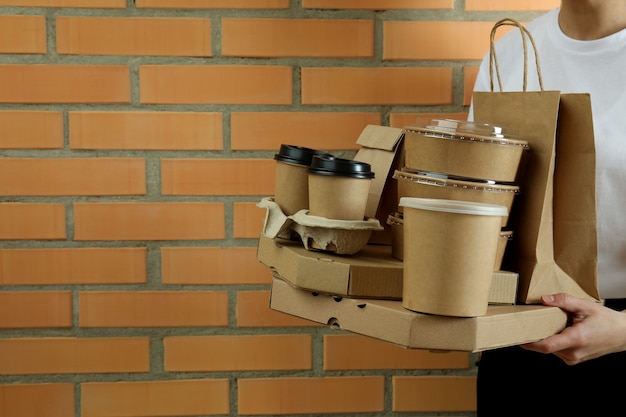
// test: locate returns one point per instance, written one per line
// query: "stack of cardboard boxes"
(362, 292)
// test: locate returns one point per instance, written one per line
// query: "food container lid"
(452, 182)
(465, 130)
(454, 206)
(333, 166)
(298, 155)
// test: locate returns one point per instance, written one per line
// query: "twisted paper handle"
(493, 61)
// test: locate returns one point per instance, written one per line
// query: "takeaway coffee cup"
(292, 183)
(450, 248)
(339, 188)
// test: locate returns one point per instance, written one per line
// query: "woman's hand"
(594, 331)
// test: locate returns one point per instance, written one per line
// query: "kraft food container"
(466, 149)
(505, 237)
(338, 188)
(450, 251)
(396, 223)
(292, 183)
(434, 185)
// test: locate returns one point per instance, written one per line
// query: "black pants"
(516, 382)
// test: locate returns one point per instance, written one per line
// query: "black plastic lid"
(325, 165)
(298, 155)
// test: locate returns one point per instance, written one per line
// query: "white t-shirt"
(597, 67)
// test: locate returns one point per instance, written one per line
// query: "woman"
(582, 49)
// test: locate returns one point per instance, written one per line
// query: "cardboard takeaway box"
(362, 293)
(371, 273)
(382, 148)
(387, 320)
(347, 292)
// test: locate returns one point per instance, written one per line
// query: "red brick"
(512, 5)
(212, 266)
(72, 176)
(434, 393)
(317, 130)
(22, 34)
(361, 86)
(35, 309)
(454, 40)
(155, 398)
(32, 221)
(28, 400)
(148, 221)
(161, 130)
(378, 4)
(248, 220)
(56, 266)
(329, 395)
(469, 78)
(342, 352)
(319, 38)
(67, 355)
(215, 84)
(153, 308)
(237, 353)
(253, 311)
(43, 83)
(82, 35)
(214, 4)
(105, 4)
(218, 176)
(24, 129)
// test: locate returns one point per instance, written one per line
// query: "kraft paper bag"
(554, 217)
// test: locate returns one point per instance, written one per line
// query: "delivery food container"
(449, 255)
(292, 182)
(467, 149)
(505, 237)
(396, 223)
(434, 185)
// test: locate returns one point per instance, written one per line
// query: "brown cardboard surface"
(504, 288)
(387, 320)
(338, 236)
(381, 147)
(371, 273)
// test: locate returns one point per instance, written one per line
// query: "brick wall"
(136, 138)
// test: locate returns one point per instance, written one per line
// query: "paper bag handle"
(493, 61)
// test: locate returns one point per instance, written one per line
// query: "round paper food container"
(464, 149)
(505, 236)
(395, 222)
(449, 255)
(433, 185)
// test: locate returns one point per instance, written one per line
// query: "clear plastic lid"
(461, 129)
(454, 206)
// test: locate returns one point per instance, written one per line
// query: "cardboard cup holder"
(343, 237)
